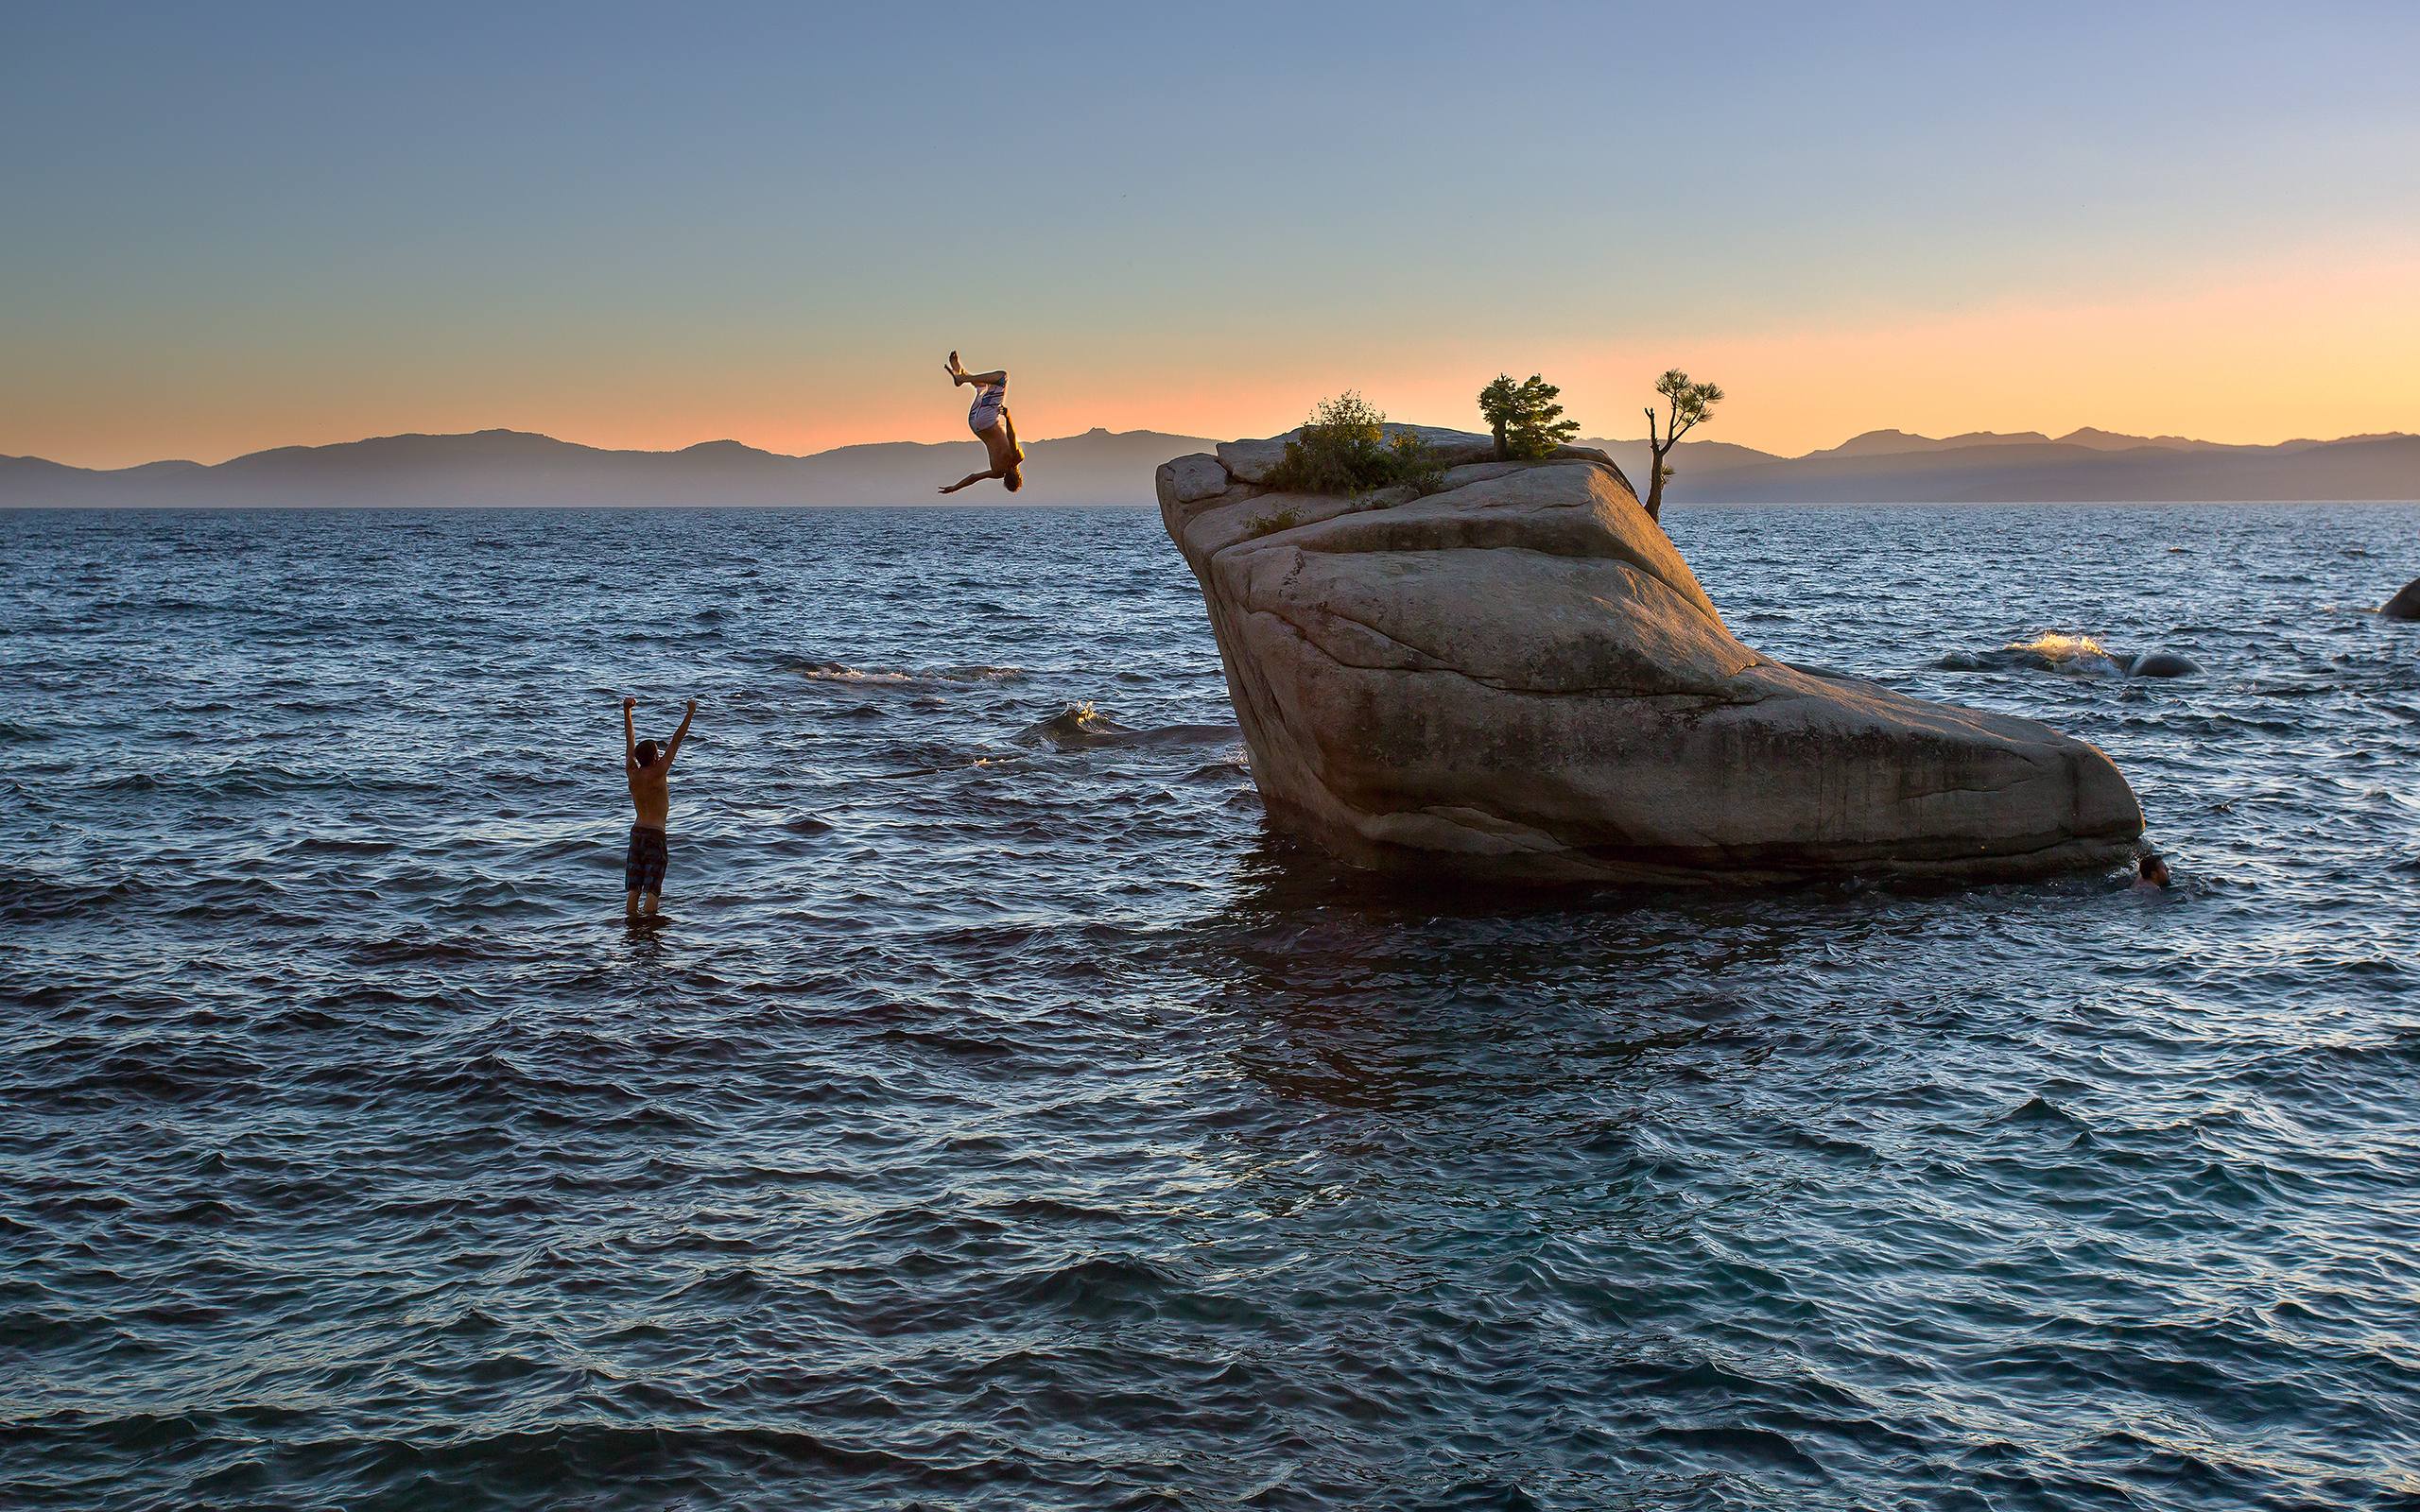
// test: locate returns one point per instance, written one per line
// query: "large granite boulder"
(2405, 605)
(1518, 677)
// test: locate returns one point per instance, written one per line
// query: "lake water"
(1007, 1119)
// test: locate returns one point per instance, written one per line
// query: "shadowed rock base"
(1517, 678)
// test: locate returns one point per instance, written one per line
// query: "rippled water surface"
(1006, 1119)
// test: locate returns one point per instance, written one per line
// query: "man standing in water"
(647, 767)
(988, 417)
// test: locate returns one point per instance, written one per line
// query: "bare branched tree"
(1690, 405)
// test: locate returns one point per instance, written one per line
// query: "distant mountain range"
(1989, 467)
(517, 468)
(1104, 467)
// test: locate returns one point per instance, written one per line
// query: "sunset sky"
(235, 227)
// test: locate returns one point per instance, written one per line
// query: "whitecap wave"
(838, 672)
(2063, 651)
(2050, 651)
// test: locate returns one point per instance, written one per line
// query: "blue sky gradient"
(236, 225)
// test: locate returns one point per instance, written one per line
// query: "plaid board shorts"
(642, 870)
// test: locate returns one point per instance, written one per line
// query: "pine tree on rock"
(1527, 422)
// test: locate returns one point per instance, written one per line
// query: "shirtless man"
(647, 767)
(988, 417)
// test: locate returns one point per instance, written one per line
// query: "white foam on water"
(2060, 646)
(836, 672)
(2068, 653)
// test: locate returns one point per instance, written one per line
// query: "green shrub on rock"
(1341, 449)
(1527, 422)
(1416, 466)
(1344, 448)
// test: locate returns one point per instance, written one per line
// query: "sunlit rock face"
(1518, 679)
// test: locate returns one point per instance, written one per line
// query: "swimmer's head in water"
(646, 752)
(1012, 479)
(2151, 869)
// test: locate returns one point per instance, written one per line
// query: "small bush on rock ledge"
(1344, 448)
(1527, 422)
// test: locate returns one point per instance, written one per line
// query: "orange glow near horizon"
(2312, 345)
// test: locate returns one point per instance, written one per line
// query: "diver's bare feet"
(957, 373)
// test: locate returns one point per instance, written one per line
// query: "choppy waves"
(1008, 1118)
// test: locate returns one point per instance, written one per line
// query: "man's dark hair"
(1014, 480)
(647, 752)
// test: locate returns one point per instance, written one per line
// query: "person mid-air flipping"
(989, 420)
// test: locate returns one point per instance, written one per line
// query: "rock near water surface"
(2405, 605)
(1517, 677)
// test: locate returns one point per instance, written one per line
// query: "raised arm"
(971, 479)
(629, 737)
(681, 734)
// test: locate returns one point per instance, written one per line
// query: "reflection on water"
(1006, 1117)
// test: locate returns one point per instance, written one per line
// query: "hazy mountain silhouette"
(1890, 443)
(519, 468)
(1893, 467)
(1102, 467)
(2101, 441)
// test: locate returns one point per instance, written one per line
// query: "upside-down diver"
(988, 417)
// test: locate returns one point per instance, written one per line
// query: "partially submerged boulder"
(2164, 664)
(1518, 677)
(2405, 605)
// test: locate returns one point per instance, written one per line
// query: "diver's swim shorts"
(644, 869)
(985, 412)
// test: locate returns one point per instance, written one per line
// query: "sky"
(230, 227)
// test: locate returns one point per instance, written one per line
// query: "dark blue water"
(1007, 1119)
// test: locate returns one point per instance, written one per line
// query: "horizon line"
(2046, 439)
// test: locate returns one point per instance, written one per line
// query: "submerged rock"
(2164, 664)
(1518, 677)
(2405, 605)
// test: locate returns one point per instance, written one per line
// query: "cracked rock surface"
(1519, 679)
